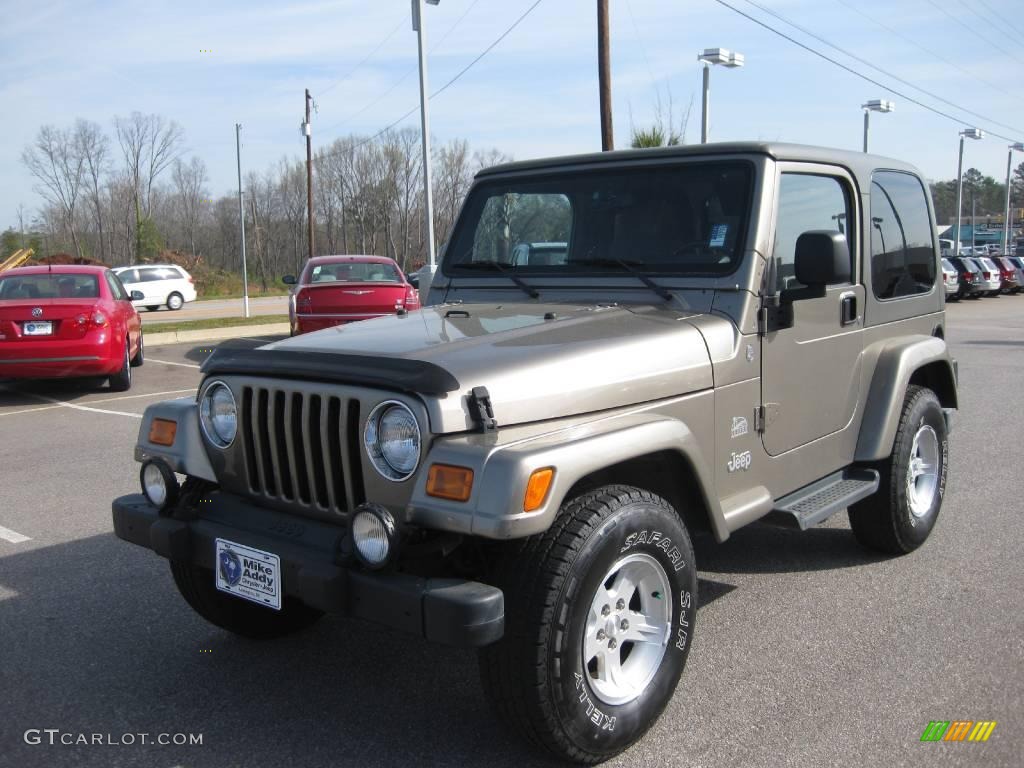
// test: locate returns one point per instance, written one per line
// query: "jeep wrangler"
(617, 350)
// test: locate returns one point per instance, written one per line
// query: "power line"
(867, 63)
(986, 19)
(365, 59)
(383, 95)
(910, 40)
(452, 81)
(852, 71)
(969, 28)
(1001, 18)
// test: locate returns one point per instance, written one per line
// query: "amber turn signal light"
(537, 488)
(447, 482)
(162, 431)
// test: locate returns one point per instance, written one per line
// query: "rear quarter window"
(903, 258)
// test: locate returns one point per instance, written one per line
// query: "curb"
(215, 334)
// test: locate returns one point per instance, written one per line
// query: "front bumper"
(449, 611)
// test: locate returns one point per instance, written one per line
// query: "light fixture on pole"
(1007, 227)
(726, 58)
(966, 133)
(875, 105)
(428, 200)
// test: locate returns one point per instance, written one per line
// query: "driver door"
(810, 373)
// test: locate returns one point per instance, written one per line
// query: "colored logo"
(230, 567)
(958, 730)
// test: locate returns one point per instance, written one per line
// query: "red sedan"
(333, 290)
(65, 321)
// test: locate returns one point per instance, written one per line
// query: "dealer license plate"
(251, 574)
(39, 328)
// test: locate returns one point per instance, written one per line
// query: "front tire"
(140, 353)
(898, 518)
(600, 611)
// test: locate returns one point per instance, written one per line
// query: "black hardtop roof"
(860, 164)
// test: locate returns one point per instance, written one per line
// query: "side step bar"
(818, 501)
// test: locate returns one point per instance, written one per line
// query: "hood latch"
(480, 408)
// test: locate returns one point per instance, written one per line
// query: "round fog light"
(375, 536)
(159, 484)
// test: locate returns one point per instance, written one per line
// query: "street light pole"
(428, 196)
(722, 56)
(874, 105)
(1006, 218)
(969, 133)
(241, 219)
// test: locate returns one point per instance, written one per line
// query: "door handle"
(848, 309)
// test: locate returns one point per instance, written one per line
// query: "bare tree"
(190, 186)
(93, 147)
(149, 144)
(56, 163)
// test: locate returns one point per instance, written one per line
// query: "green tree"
(151, 243)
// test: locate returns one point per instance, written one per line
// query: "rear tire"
(599, 614)
(175, 302)
(140, 353)
(234, 614)
(122, 380)
(152, 307)
(898, 518)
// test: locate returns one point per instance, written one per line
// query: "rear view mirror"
(138, 295)
(822, 258)
(289, 280)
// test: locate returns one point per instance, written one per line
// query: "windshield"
(684, 219)
(49, 285)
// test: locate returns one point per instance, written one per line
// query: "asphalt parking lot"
(808, 651)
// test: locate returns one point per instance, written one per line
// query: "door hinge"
(765, 415)
(759, 418)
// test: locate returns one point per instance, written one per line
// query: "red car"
(65, 321)
(333, 290)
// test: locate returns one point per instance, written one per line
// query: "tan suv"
(729, 331)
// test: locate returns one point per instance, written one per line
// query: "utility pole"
(241, 219)
(604, 76)
(428, 194)
(307, 128)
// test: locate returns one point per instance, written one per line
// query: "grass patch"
(214, 322)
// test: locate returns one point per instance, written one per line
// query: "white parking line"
(94, 402)
(85, 407)
(168, 362)
(12, 536)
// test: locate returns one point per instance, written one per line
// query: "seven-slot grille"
(300, 447)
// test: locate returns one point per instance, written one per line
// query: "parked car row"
(977, 276)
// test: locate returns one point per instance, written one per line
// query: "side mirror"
(822, 257)
(289, 280)
(138, 295)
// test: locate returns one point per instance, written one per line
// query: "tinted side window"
(806, 203)
(151, 274)
(902, 241)
(128, 276)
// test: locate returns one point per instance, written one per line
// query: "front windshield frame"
(548, 182)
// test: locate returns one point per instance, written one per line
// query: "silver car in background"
(950, 280)
(991, 282)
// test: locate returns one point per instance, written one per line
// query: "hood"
(538, 362)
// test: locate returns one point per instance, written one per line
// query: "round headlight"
(218, 414)
(375, 536)
(392, 440)
(159, 484)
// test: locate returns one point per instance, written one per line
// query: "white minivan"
(160, 284)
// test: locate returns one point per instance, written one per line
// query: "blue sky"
(533, 95)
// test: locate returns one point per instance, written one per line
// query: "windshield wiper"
(497, 266)
(631, 267)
